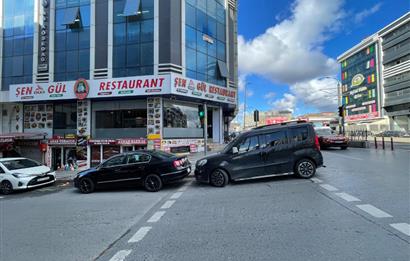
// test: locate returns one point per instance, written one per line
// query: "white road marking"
(168, 204)
(344, 156)
(372, 210)
(182, 189)
(139, 235)
(316, 180)
(347, 197)
(1, 197)
(176, 195)
(156, 217)
(120, 255)
(328, 187)
(402, 227)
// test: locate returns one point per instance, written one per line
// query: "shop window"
(65, 116)
(121, 119)
(109, 151)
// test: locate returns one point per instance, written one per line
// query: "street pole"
(244, 110)
(205, 128)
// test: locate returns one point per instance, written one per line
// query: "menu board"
(154, 116)
(38, 116)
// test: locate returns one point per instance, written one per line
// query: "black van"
(266, 151)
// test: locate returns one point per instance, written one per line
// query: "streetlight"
(339, 99)
(244, 106)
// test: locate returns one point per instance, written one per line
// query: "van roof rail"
(286, 123)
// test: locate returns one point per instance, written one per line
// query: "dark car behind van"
(272, 150)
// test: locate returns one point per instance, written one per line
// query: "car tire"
(343, 148)
(153, 183)
(6, 187)
(305, 168)
(219, 178)
(86, 185)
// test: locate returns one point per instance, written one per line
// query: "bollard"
(391, 143)
(383, 143)
(375, 142)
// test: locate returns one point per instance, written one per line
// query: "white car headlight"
(202, 162)
(19, 175)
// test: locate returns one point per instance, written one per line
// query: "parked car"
(267, 151)
(150, 168)
(329, 138)
(23, 173)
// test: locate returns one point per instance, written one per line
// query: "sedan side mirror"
(235, 150)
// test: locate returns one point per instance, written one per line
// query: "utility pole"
(244, 109)
(205, 128)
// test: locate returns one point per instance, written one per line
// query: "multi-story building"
(375, 77)
(91, 78)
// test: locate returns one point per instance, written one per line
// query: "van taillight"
(317, 144)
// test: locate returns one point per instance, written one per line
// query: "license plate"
(338, 141)
(43, 179)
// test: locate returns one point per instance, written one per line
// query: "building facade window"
(205, 40)
(182, 120)
(133, 43)
(18, 32)
(72, 40)
(65, 116)
(123, 119)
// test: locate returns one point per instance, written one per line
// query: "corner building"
(91, 78)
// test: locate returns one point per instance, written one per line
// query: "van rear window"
(299, 134)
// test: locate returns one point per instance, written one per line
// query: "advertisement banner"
(82, 89)
(360, 87)
(202, 90)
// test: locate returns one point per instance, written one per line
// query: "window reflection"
(181, 116)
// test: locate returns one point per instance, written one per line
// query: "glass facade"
(133, 43)
(205, 40)
(72, 40)
(18, 32)
(359, 85)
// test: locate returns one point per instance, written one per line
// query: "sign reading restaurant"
(122, 87)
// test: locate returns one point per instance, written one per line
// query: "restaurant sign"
(81, 89)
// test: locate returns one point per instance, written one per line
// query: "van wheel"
(152, 183)
(305, 168)
(6, 187)
(344, 148)
(219, 178)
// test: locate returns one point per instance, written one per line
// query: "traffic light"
(256, 116)
(201, 111)
(342, 111)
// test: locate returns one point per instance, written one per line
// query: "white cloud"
(242, 82)
(319, 93)
(288, 102)
(291, 51)
(359, 17)
(269, 95)
(249, 93)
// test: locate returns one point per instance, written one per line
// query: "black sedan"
(329, 138)
(150, 168)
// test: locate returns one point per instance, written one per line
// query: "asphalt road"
(358, 208)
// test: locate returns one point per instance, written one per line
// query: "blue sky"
(285, 46)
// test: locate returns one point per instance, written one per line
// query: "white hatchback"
(23, 173)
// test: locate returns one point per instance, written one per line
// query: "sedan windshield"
(20, 164)
(324, 132)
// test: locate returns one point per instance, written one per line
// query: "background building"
(95, 78)
(375, 80)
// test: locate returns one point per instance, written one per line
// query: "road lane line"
(156, 217)
(402, 227)
(176, 195)
(1, 197)
(344, 156)
(168, 204)
(120, 255)
(347, 197)
(316, 180)
(182, 189)
(328, 187)
(372, 210)
(139, 235)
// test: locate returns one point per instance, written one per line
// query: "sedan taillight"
(177, 163)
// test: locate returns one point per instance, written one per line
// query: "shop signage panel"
(202, 90)
(6, 140)
(102, 142)
(82, 89)
(138, 141)
(62, 142)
